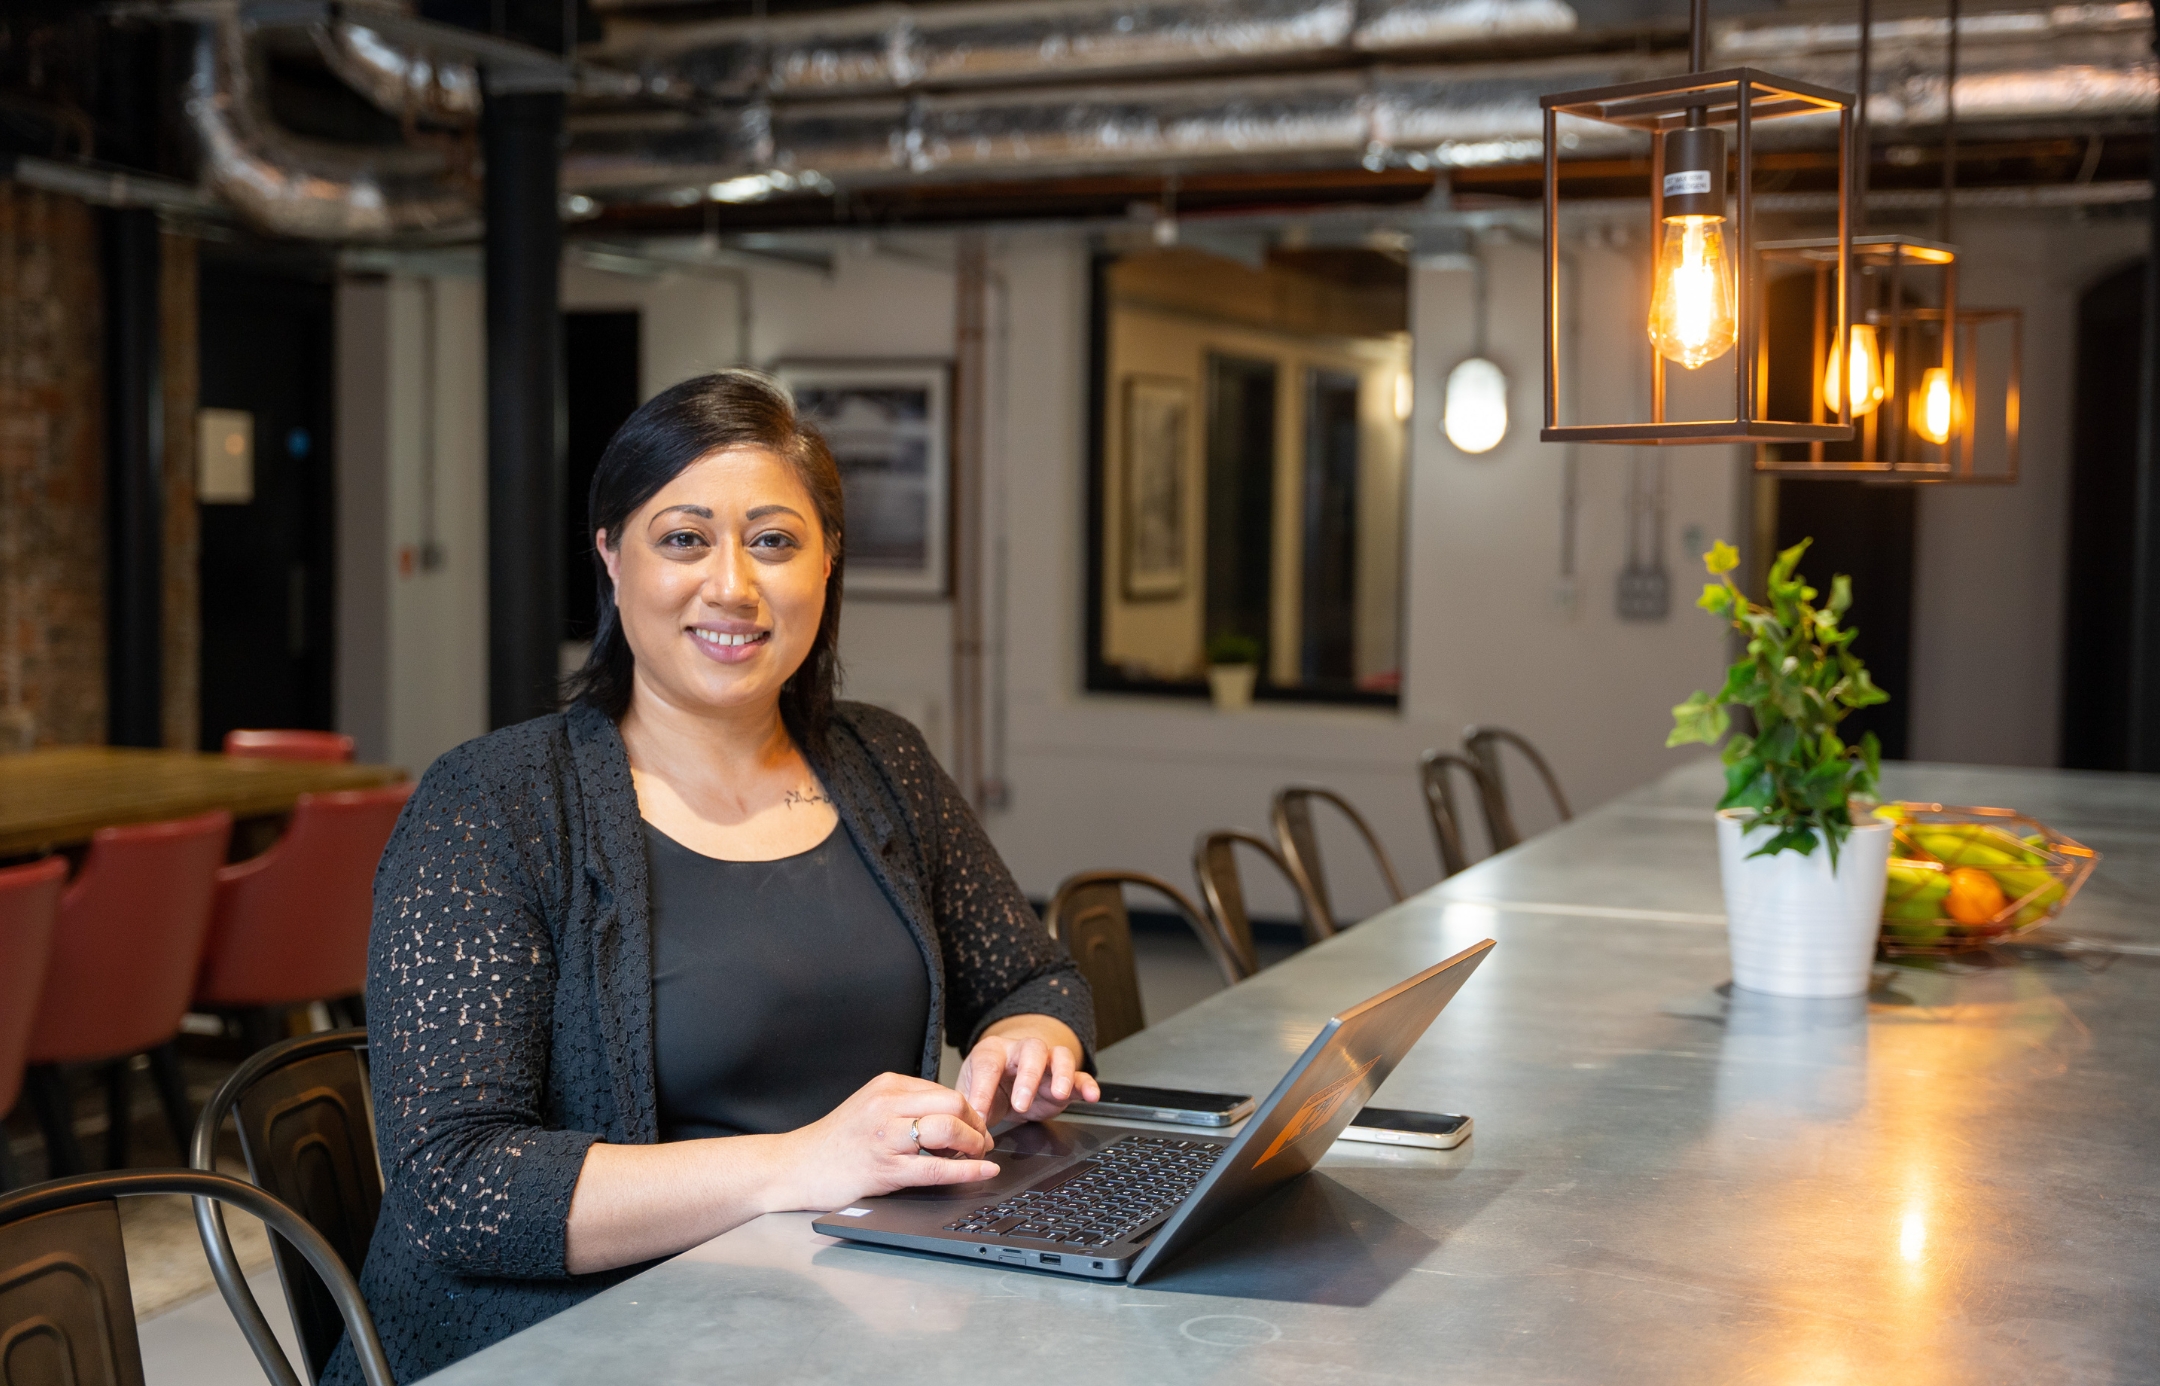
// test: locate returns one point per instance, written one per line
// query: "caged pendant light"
(1706, 309)
(1934, 384)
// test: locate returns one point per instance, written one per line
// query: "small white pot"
(1797, 928)
(1230, 685)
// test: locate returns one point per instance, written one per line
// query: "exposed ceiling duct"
(888, 48)
(874, 97)
(311, 188)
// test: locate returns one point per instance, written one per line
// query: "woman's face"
(720, 581)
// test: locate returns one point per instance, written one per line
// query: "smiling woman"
(688, 951)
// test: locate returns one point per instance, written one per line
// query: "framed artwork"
(889, 426)
(1158, 427)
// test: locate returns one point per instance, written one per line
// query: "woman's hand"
(867, 1145)
(1026, 1066)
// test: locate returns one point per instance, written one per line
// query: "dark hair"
(673, 429)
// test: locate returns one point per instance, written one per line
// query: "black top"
(510, 995)
(779, 987)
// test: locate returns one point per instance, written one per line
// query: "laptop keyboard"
(1114, 1195)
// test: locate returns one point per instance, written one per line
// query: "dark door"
(602, 372)
(1329, 618)
(2103, 523)
(1865, 531)
(268, 608)
(1240, 497)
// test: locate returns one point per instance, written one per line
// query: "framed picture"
(889, 426)
(1157, 456)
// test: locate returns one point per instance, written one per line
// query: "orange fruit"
(1975, 896)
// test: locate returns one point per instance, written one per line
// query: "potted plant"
(1233, 663)
(1801, 922)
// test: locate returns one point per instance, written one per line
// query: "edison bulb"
(1694, 308)
(1860, 370)
(1474, 415)
(1936, 412)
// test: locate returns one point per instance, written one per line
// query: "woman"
(688, 952)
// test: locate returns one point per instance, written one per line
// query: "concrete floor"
(189, 1338)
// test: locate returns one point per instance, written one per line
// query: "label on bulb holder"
(1689, 182)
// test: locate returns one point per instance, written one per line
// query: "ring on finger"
(914, 1130)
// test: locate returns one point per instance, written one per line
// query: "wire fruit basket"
(1963, 878)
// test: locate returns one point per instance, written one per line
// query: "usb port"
(1050, 1259)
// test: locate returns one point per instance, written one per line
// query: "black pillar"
(523, 147)
(134, 481)
(2144, 634)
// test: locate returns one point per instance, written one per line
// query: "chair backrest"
(1088, 916)
(308, 1135)
(1298, 838)
(1215, 868)
(1484, 745)
(29, 900)
(66, 1316)
(289, 744)
(129, 939)
(1436, 771)
(292, 924)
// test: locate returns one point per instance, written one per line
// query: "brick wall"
(52, 469)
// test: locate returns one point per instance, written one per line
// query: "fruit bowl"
(1967, 877)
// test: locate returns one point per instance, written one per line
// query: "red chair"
(126, 950)
(291, 925)
(29, 898)
(289, 745)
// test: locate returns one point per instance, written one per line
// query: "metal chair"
(284, 744)
(125, 951)
(308, 1136)
(1215, 868)
(1484, 745)
(1436, 770)
(1299, 843)
(66, 1313)
(1088, 915)
(29, 902)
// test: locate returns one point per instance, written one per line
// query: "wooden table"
(52, 799)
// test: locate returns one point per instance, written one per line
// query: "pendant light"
(1914, 361)
(1474, 414)
(1706, 308)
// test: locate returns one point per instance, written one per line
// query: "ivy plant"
(1798, 680)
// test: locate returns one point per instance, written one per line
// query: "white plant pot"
(1231, 685)
(1796, 927)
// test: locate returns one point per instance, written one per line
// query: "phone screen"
(1172, 1098)
(1421, 1123)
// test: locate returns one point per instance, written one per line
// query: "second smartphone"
(1166, 1104)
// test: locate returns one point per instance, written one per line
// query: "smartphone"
(1394, 1126)
(1166, 1104)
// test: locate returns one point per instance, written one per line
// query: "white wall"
(1988, 598)
(412, 638)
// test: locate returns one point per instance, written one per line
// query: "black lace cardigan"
(510, 993)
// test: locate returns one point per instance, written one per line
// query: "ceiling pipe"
(308, 188)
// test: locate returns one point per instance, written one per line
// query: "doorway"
(601, 372)
(268, 608)
(2095, 731)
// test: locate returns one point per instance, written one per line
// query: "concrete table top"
(1949, 1180)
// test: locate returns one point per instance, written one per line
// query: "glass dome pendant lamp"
(1915, 363)
(1703, 335)
(1474, 414)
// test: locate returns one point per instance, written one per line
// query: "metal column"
(523, 135)
(134, 480)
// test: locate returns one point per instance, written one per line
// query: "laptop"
(1111, 1204)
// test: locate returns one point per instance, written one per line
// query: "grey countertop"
(1950, 1180)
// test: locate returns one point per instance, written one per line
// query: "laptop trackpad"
(1015, 1172)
